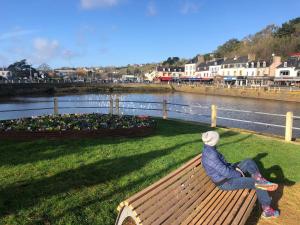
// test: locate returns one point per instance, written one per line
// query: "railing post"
(213, 115)
(165, 111)
(111, 106)
(117, 106)
(289, 126)
(55, 108)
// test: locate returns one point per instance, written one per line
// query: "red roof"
(295, 54)
(165, 78)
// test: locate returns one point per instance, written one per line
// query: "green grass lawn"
(83, 181)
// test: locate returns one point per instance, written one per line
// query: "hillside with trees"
(280, 40)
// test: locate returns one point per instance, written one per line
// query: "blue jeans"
(247, 166)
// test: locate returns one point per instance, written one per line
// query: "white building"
(202, 70)
(215, 67)
(5, 74)
(150, 76)
(234, 67)
(289, 69)
(190, 69)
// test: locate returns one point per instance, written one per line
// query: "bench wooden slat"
(174, 204)
(210, 209)
(218, 211)
(206, 204)
(191, 212)
(173, 195)
(248, 211)
(170, 191)
(205, 198)
(235, 204)
(182, 204)
(188, 206)
(142, 196)
(244, 208)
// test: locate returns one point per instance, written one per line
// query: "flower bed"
(76, 126)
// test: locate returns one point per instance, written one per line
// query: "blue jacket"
(216, 166)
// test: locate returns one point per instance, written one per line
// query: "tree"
(228, 47)
(171, 61)
(22, 69)
(287, 29)
(45, 68)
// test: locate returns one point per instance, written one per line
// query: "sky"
(77, 33)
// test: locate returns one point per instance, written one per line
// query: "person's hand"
(240, 171)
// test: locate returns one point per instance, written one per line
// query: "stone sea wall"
(258, 93)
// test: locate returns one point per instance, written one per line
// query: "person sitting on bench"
(229, 176)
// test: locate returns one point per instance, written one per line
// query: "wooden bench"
(186, 196)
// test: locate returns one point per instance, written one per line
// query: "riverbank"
(80, 88)
(255, 93)
(83, 181)
(8, 90)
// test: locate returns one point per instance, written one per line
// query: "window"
(285, 64)
(258, 73)
(252, 64)
(264, 64)
(298, 74)
(284, 73)
(241, 73)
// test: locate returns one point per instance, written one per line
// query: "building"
(5, 74)
(169, 73)
(191, 66)
(150, 76)
(130, 78)
(215, 67)
(288, 72)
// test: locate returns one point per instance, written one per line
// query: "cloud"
(16, 33)
(151, 9)
(189, 7)
(45, 50)
(91, 4)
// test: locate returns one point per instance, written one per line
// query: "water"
(200, 110)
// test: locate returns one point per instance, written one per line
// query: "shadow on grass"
(26, 194)
(126, 189)
(15, 153)
(274, 174)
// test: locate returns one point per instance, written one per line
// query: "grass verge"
(82, 181)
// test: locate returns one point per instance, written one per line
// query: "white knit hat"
(210, 138)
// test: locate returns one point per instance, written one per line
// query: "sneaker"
(270, 213)
(263, 184)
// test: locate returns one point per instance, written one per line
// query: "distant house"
(5, 74)
(257, 68)
(68, 72)
(202, 70)
(289, 70)
(150, 76)
(233, 67)
(191, 67)
(215, 66)
(129, 78)
(169, 73)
